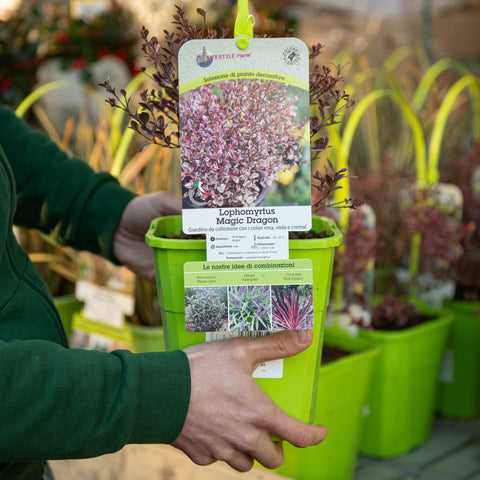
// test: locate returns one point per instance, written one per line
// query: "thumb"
(166, 203)
(279, 345)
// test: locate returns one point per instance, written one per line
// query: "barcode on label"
(272, 369)
(212, 336)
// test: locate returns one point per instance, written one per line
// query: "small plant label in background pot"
(108, 295)
(88, 9)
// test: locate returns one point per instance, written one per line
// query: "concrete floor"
(452, 453)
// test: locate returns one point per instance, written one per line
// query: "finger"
(240, 462)
(296, 432)
(168, 204)
(279, 345)
(201, 460)
(197, 452)
(269, 454)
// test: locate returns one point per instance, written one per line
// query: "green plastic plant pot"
(459, 389)
(343, 386)
(66, 306)
(170, 255)
(147, 339)
(295, 392)
(120, 337)
(404, 385)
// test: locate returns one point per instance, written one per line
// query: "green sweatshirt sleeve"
(118, 398)
(58, 195)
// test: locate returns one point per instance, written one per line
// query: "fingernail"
(301, 336)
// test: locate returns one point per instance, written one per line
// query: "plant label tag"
(247, 246)
(103, 304)
(447, 370)
(88, 9)
(245, 136)
(248, 296)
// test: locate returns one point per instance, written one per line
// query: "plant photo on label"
(292, 307)
(249, 308)
(206, 309)
(236, 137)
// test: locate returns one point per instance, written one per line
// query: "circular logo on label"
(205, 59)
(291, 56)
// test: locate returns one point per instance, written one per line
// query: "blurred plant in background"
(19, 61)
(79, 43)
(34, 34)
(464, 170)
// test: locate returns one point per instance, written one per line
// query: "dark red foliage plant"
(401, 211)
(158, 117)
(393, 313)
(463, 170)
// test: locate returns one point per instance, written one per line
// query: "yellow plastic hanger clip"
(243, 25)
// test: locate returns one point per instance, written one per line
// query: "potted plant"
(157, 121)
(402, 397)
(459, 391)
(343, 388)
(347, 362)
(412, 337)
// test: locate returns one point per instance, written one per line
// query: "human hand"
(229, 417)
(129, 239)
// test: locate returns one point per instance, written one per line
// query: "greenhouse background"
(411, 143)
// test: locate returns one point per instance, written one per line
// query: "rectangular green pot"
(459, 389)
(404, 385)
(343, 386)
(295, 392)
(66, 306)
(147, 338)
(121, 337)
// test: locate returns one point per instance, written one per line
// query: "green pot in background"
(147, 338)
(93, 335)
(295, 392)
(459, 389)
(343, 387)
(404, 385)
(67, 305)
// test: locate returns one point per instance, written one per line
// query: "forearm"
(59, 403)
